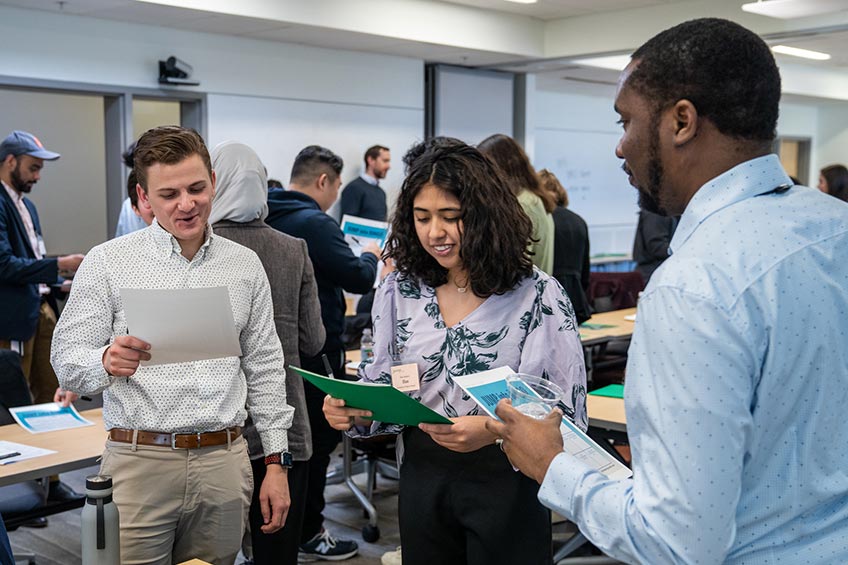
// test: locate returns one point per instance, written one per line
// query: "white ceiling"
(551, 71)
(556, 9)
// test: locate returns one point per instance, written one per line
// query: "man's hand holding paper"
(121, 359)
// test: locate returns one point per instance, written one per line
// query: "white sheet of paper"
(487, 388)
(26, 451)
(48, 417)
(182, 325)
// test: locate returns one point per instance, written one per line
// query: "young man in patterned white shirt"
(183, 481)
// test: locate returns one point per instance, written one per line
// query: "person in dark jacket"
(653, 236)
(571, 248)
(300, 212)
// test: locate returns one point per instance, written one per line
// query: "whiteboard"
(586, 165)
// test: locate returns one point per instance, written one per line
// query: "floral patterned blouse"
(531, 329)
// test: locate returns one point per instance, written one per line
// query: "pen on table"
(86, 398)
(8, 455)
(327, 366)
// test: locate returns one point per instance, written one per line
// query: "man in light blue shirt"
(737, 378)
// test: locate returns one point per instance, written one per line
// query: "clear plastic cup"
(532, 395)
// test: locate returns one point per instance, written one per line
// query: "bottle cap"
(98, 482)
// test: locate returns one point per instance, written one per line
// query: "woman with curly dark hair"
(512, 161)
(465, 298)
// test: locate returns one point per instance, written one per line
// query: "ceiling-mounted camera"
(176, 71)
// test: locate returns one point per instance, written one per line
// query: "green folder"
(386, 403)
(612, 391)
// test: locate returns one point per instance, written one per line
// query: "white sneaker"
(391, 557)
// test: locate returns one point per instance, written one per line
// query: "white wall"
(278, 129)
(277, 97)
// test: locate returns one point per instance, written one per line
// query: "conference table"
(75, 448)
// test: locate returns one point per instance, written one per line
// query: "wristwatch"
(284, 459)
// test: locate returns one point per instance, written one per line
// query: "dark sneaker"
(324, 547)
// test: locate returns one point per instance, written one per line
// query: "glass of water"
(532, 395)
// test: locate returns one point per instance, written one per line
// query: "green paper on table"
(612, 391)
(386, 403)
(590, 326)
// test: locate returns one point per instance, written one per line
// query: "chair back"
(13, 384)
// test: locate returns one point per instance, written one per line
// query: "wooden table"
(621, 328)
(75, 448)
(606, 413)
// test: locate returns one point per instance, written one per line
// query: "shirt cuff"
(557, 491)
(274, 441)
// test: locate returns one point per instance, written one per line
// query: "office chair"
(369, 456)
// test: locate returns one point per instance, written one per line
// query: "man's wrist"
(283, 459)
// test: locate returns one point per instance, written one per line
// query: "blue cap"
(24, 143)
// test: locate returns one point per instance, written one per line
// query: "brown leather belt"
(177, 440)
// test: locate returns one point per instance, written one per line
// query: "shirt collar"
(369, 179)
(13, 194)
(745, 180)
(168, 244)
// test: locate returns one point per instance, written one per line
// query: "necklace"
(461, 289)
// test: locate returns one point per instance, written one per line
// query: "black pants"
(281, 546)
(324, 442)
(468, 508)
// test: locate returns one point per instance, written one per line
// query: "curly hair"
(551, 184)
(725, 70)
(510, 158)
(495, 230)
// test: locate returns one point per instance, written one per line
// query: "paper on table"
(630, 317)
(48, 417)
(186, 324)
(489, 387)
(26, 451)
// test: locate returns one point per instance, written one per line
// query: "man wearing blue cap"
(29, 309)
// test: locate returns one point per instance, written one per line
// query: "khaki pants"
(36, 360)
(180, 504)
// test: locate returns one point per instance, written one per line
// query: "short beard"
(18, 183)
(649, 196)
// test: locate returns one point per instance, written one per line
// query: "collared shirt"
(198, 396)
(369, 179)
(128, 220)
(35, 241)
(737, 383)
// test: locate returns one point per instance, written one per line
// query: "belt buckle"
(174, 440)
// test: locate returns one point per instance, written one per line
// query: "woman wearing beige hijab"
(238, 213)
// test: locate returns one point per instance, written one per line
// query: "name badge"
(405, 377)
